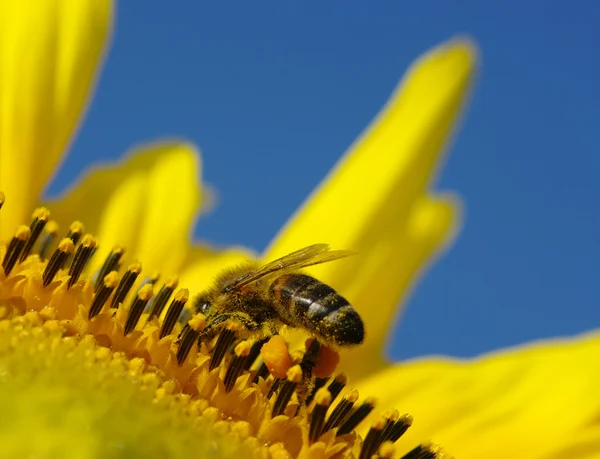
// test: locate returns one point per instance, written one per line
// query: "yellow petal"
(431, 225)
(49, 53)
(372, 199)
(538, 401)
(148, 204)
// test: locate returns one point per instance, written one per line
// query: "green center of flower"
(108, 348)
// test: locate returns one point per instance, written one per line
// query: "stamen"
(75, 232)
(337, 385)
(424, 452)
(391, 416)
(57, 261)
(152, 280)
(294, 376)
(317, 417)
(50, 232)
(109, 283)
(399, 428)
(357, 416)
(189, 336)
(274, 386)
(14, 248)
(173, 312)
(262, 372)
(110, 264)
(137, 307)
(386, 450)
(160, 300)
(319, 382)
(369, 446)
(225, 339)
(308, 361)
(82, 255)
(254, 353)
(236, 366)
(40, 218)
(340, 412)
(185, 316)
(126, 283)
(149, 280)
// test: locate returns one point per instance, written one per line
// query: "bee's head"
(202, 304)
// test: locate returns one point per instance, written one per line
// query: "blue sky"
(274, 92)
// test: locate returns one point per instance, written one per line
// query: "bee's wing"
(308, 256)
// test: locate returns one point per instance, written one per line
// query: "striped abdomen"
(303, 301)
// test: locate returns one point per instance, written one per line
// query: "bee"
(263, 298)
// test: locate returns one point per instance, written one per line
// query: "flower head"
(106, 351)
(96, 334)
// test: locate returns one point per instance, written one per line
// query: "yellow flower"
(46, 78)
(377, 201)
(90, 359)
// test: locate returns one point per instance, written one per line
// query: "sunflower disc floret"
(123, 328)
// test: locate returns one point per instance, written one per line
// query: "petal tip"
(464, 45)
(457, 56)
(175, 151)
(438, 218)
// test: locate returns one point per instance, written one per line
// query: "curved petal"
(538, 401)
(49, 53)
(371, 199)
(394, 269)
(148, 204)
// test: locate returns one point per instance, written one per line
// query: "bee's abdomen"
(305, 297)
(304, 301)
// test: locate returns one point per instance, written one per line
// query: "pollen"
(327, 362)
(276, 356)
(118, 341)
(198, 322)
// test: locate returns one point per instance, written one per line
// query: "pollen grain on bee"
(208, 353)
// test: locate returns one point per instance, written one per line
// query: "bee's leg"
(273, 328)
(217, 323)
(247, 322)
(309, 360)
(217, 326)
(227, 336)
(213, 327)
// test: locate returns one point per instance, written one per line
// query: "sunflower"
(99, 349)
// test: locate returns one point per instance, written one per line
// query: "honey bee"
(263, 298)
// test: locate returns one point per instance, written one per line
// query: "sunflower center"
(274, 402)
